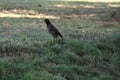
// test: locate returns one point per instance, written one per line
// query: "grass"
(91, 47)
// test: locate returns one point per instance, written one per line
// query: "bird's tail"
(61, 36)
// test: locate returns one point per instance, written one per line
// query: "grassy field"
(91, 50)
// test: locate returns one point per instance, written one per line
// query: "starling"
(52, 30)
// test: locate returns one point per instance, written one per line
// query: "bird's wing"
(56, 31)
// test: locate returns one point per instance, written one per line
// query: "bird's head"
(47, 21)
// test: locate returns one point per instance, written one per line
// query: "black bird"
(52, 30)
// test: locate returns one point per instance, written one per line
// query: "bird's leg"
(63, 41)
(55, 40)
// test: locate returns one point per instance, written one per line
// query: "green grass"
(90, 51)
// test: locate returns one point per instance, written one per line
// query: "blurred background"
(91, 29)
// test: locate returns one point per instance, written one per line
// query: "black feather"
(52, 30)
